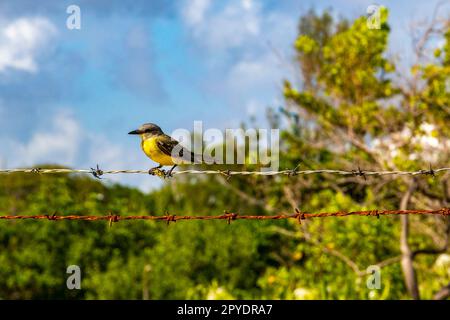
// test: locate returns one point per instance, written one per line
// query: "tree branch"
(442, 294)
(407, 255)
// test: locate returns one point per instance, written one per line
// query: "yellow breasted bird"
(162, 149)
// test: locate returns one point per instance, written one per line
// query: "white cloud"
(223, 29)
(195, 10)
(247, 4)
(59, 143)
(238, 24)
(252, 107)
(250, 75)
(22, 40)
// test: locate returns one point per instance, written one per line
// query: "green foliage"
(35, 254)
(434, 100)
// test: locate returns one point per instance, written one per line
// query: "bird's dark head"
(148, 130)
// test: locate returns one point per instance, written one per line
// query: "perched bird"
(162, 149)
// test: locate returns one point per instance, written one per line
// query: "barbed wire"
(98, 173)
(229, 216)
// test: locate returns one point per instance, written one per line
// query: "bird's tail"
(184, 156)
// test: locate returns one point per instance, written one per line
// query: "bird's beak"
(135, 132)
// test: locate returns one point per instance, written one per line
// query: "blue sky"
(71, 96)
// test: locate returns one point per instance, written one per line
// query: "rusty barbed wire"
(229, 216)
(97, 172)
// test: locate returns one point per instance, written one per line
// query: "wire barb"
(113, 218)
(293, 172)
(226, 173)
(229, 216)
(53, 217)
(429, 172)
(359, 173)
(170, 218)
(97, 173)
(375, 213)
(299, 215)
(36, 170)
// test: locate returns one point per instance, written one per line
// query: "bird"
(163, 149)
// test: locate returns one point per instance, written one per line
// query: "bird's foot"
(157, 172)
(168, 174)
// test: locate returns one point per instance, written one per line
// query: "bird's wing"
(167, 145)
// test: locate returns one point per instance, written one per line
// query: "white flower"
(372, 294)
(443, 261)
(427, 127)
(301, 293)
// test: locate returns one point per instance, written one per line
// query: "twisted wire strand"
(298, 215)
(289, 172)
